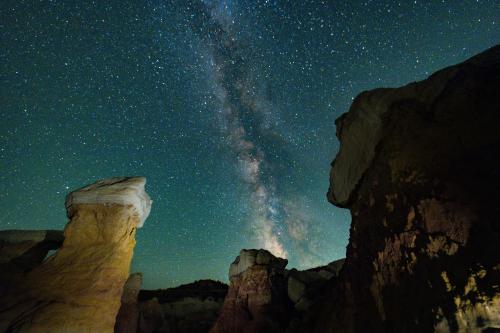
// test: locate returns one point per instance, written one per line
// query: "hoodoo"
(418, 169)
(257, 298)
(78, 289)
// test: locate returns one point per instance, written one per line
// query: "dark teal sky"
(227, 107)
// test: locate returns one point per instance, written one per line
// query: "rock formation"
(190, 308)
(306, 287)
(418, 168)
(78, 289)
(128, 315)
(23, 250)
(257, 299)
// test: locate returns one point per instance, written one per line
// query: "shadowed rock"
(306, 287)
(418, 167)
(28, 248)
(23, 250)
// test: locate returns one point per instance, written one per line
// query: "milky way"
(249, 121)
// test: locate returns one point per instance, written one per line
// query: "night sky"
(227, 107)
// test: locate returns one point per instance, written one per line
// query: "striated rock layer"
(257, 299)
(419, 169)
(78, 289)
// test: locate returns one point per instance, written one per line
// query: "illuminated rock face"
(418, 168)
(257, 299)
(79, 288)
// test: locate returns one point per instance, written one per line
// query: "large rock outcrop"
(78, 289)
(189, 308)
(257, 299)
(418, 168)
(23, 250)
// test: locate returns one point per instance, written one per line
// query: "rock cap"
(114, 191)
(249, 258)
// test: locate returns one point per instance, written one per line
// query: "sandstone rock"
(23, 250)
(335, 266)
(128, 315)
(418, 168)
(78, 289)
(257, 298)
(296, 288)
(36, 236)
(249, 258)
(28, 248)
(305, 287)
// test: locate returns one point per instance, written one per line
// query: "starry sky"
(226, 106)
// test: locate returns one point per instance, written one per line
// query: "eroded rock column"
(79, 288)
(128, 315)
(257, 298)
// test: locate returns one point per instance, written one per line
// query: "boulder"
(78, 289)
(306, 287)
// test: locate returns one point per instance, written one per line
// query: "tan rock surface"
(79, 288)
(257, 298)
